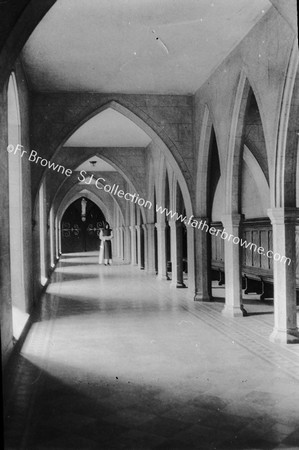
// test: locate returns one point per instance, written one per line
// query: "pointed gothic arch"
(203, 157)
(284, 174)
(153, 131)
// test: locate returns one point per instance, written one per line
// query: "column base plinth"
(232, 311)
(285, 336)
(151, 272)
(198, 297)
(177, 285)
(162, 277)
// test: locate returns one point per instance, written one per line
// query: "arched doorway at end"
(80, 226)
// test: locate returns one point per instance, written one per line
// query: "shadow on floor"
(77, 410)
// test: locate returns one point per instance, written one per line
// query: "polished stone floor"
(120, 360)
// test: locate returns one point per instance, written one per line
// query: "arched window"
(20, 315)
(42, 233)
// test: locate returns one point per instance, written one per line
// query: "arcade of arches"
(223, 153)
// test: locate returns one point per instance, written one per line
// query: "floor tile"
(118, 360)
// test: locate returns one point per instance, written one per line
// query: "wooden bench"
(256, 269)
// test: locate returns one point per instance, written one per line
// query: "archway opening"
(19, 307)
(181, 245)
(80, 226)
(215, 202)
(256, 268)
(167, 227)
(155, 234)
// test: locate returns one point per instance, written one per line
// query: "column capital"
(175, 223)
(150, 226)
(281, 216)
(232, 220)
(200, 218)
(161, 225)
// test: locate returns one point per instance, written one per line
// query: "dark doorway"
(80, 226)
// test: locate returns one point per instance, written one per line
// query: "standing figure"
(106, 234)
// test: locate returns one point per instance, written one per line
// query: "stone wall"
(263, 56)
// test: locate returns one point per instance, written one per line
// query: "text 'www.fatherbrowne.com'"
(203, 226)
(100, 183)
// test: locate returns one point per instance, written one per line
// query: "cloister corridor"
(119, 360)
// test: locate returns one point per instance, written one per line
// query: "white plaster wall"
(263, 56)
(218, 203)
(252, 203)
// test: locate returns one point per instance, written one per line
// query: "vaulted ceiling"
(135, 46)
(95, 164)
(109, 129)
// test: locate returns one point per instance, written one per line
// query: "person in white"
(106, 235)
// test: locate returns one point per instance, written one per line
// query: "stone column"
(5, 285)
(138, 231)
(176, 254)
(59, 239)
(162, 263)
(133, 245)
(232, 260)
(145, 247)
(202, 261)
(191, 261)
(127, 246)
(284, 272)
(118, 231)
(150, 227)
(57, 233)
(121, 242)
(52, 240)
(115, 242)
